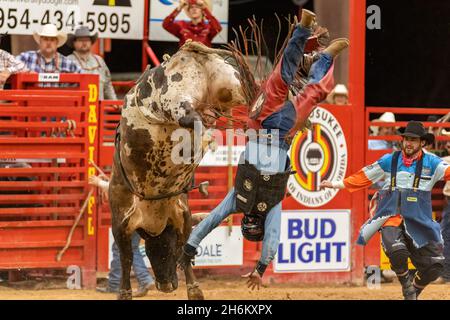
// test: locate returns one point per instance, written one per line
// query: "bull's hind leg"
(193, 290)
(120, 200)
(123, 241)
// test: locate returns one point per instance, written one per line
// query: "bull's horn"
(203, 188)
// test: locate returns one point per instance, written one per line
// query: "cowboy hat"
(385, 117)
(81, 32)
(193, 2)
(50, 30)
(338, 89)
(415, 129)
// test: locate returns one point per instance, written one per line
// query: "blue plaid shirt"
(35, 62)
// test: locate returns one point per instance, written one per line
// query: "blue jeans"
(320, 68)
(445, 227)
(228, 206)
(140, 270)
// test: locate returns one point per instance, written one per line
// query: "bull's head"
(196, 84)
(163, 252)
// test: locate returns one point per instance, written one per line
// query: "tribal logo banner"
(318, 154)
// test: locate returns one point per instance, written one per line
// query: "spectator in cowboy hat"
(9, 65)
(196, 29)
(82, 41)
(339, 95)
(47, 59)
(387, 117)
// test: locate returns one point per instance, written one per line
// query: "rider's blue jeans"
(228, 206)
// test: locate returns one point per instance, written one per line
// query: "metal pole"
(146, 33)
(230, 143)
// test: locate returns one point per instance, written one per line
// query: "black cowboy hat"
(415, 129)
(81, 32)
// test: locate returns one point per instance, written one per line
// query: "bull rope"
(80, 214)
(133, 207)
(72, 230)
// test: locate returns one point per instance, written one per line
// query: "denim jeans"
(320, 68)
(445, 228)
(228, 206)
(143, 276)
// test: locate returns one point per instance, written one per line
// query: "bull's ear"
(224, 95)
(144, 75)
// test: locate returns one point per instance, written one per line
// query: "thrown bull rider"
(282, 107)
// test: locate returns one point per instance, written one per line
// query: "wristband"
(261, 268)
(338, 185)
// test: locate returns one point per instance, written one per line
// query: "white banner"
(160, 9)
(220, 248)
(314, 241)
(116, 19)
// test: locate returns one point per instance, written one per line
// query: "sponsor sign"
(314, 241)
(117, 19)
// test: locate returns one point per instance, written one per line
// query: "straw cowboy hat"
(338, 89)
(50, 30)
(385, 117)
(81, 32)
(208, 4)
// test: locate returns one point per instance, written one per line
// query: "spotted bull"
(147, 191)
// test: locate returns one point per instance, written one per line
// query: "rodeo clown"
(404, 211)
(281, 109)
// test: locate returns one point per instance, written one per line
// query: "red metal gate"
(48, 137)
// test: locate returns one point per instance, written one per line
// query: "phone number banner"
(116, 19)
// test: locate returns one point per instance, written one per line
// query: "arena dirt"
(228, 289)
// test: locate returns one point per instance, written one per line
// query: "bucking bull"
(148, 190)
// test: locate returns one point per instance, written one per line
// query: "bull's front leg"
(193, 290)
(123, 242)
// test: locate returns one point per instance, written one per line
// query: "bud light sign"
(314, 241)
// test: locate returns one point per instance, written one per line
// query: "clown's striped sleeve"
(368, 175)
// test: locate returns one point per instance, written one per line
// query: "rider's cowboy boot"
(187, 257)
(308, 19)
(337, 46)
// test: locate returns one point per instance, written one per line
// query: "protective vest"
(413, 205)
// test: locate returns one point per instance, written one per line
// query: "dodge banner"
(117, 19)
